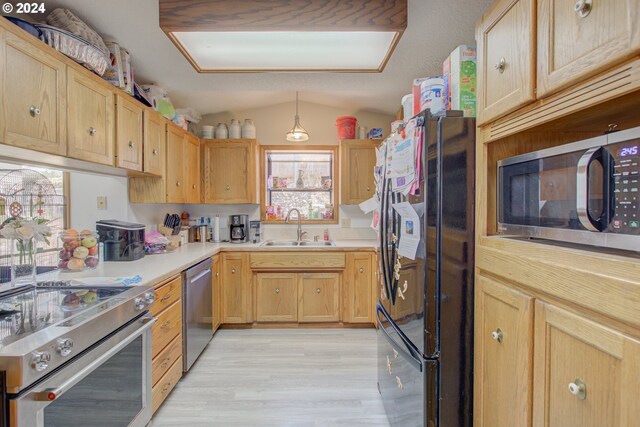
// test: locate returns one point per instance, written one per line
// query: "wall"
(272, 123)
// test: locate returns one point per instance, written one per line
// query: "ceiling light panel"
(287, 51)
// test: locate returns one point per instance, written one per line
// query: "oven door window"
(542, 192)
(110, 396)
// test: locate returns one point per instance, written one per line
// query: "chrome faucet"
(300, 232)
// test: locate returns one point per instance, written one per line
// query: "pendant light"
(297, 133)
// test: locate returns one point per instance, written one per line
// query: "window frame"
(335, 177)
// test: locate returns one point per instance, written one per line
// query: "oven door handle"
(52, 394)
(582, 189)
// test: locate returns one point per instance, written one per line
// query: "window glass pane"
(302, 180)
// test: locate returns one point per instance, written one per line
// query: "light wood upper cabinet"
(358, 158)
(192, 169)
(318, 297)
(32, 99)
(585, 374)
(358, 288)
(90, 118)
(155, 142)
(229, 171)
(506, 58)
(128, 134)
(235, 288)
(276, 297)
(503, 355)
(175, 167)
(577, 39)
(216, 294)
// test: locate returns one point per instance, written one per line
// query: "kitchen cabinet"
(175, 166)
(33, 97)
(357, 159)
(155, 142)
(578, 39)
(167, 327)
(318, 297)
(165, 359)
(163, 388)
(503, 349)
(236, 289)
(90, 119)
(229, 171)
(191, 156)
(276, 297)
(358, 288)
(128, 133)
(505, 40)
(166, 295)
(216, 292)
(584, 373)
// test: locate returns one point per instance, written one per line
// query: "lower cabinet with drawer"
(166, 339)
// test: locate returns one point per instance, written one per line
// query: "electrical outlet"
(102, 203)
(345, 222)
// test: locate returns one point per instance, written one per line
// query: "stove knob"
(40, 360)
(64, 347)
(150, 297)
(140, 303)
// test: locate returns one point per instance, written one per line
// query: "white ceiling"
(435, 28)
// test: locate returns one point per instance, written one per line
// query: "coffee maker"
(239, 228)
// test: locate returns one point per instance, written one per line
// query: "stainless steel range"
(76, 356)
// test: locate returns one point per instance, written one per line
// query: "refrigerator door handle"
(383, 240)
(407, 352)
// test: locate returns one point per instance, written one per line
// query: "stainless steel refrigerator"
(425, 306)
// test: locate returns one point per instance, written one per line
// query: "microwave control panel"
(626, 176)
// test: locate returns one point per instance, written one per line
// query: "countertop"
(159, 267)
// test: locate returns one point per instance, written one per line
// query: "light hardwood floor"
(280, 377)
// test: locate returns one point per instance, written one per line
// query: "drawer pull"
(165, 388)
(166, 325)
(233, 271)
(400, 386)
(165, 362)
(166, 297)
(389, 365)
(34, 111)
(583, 8)
(228, 187)
(497, 335)
(578, 388)
(277, 290)
(500, 66)
(317, 290)
(361, 270)
(154, 152)
(92, 131)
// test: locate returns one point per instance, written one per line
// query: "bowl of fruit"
(79, 251)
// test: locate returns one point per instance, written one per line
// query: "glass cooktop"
(47, 304)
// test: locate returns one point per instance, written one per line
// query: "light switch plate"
(345, 222)
(101, 203)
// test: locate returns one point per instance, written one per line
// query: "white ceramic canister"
(207, 132)
(234, 129)
(362, 132)
(221, 131)
(432, 95)
(248, 129)
(407, 107)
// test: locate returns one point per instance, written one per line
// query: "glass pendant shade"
(297, 133)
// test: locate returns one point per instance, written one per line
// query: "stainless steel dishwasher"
(197, 312)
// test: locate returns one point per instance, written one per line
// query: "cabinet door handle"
(228, 187)
(368, 188)
(194, 186)
(583, 8)
(165, 362)
(317, 290)
(34, 111)
(131, 144)
(497, 335)
(233, 271)
(92, 131)
(500, 66)
(166, 325)
(166, 297)
(578, 388)
(177, 183)
(361, 270)
(154, 152)
(217, 274)
(277, 290)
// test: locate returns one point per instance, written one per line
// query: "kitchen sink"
(298, 244)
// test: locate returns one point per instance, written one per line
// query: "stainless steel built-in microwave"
(586, 192)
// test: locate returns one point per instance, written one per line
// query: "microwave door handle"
(582, 189)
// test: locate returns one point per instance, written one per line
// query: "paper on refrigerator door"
(369, 205)
(409, 229)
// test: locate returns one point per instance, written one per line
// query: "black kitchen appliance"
(239, 228)
(425, 306)
(586, 192)
(123, 241)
